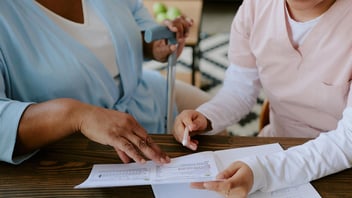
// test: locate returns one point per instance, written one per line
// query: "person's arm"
(329, 153)
(234, 100)
(242, 84)
(47, 122)
(38, 126)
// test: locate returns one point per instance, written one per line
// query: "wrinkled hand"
(123, 133)
(237, 181)
(196, 122)
(181, 26)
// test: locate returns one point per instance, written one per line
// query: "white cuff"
(258, 173)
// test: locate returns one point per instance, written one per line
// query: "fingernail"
(193, 147)
(143, 161)
(165, 159)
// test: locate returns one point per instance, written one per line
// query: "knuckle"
(142, 144)
(149, 141)
(128, 146)
(145, 143)
(113, 130)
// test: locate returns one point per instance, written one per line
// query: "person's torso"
(40, 61)
(307, 86)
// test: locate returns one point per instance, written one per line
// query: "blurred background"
(208, 56)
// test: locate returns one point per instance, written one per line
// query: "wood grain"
(56, 169)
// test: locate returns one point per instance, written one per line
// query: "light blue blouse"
(40, 62)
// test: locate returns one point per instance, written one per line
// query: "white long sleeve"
(329, 153)
(234, 100)
(241, 87)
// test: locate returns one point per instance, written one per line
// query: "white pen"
(185, 136)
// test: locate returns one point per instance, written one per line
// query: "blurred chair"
(264, 115)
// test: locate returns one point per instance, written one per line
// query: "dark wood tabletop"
(56, 169)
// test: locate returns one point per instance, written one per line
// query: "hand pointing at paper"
(193, 123)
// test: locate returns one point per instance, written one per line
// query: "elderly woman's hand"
(160, 50)
(181, 25)
(122, 132)
(236, 181)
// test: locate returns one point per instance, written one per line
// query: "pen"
(185, 136)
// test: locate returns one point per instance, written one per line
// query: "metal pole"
(170, 88)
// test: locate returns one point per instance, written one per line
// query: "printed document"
(225, 158)
(177, 175)
(189, 168)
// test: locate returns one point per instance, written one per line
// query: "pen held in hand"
(185, 136)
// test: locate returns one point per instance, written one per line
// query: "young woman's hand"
(194, 122)
(235, 181)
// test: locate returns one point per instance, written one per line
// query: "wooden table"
(55, 170)
(192, 9)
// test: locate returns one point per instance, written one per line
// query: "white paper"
(225, 158)
(172, 180)
(190, 168)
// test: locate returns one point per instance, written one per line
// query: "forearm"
(47, 122)
(325, 155)
(234, 100)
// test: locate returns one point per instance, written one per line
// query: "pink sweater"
(308, 88)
